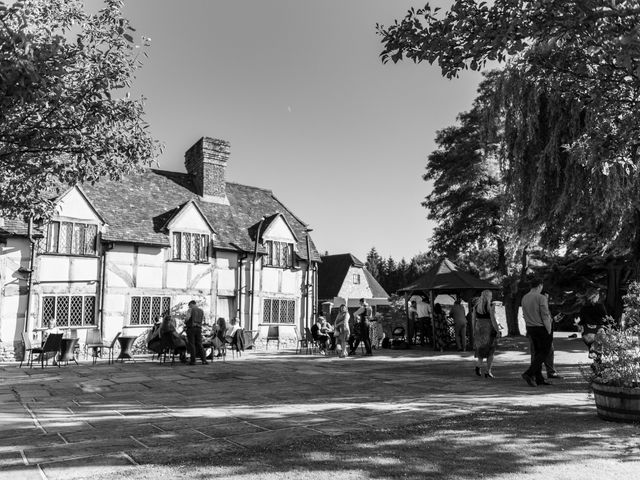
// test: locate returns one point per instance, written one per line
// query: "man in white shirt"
(424, 320)
(535, 309)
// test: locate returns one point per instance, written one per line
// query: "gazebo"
(445, 278)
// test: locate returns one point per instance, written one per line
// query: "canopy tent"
(445, 277)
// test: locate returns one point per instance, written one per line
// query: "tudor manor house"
(118, 253)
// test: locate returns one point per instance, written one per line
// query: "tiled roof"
(138, 206)
(333, 270)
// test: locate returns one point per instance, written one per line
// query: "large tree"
(65, 113)
(569, 97)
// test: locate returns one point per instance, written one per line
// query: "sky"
(298, 89)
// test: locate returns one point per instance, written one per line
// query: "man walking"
(193, 324)
(535, 309)
(364, 313)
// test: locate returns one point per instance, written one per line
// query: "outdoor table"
(67, 350)
(125, 347)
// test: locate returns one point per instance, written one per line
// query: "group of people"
(165, 334)
(341, 334)
(592, 318)
(423, 321)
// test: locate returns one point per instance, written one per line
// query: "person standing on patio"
(363, 315)
(342, 330)
(193, 324)
(485, 333)
(460, 324)
(535, 309)
(424, 320)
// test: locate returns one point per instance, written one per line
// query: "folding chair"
(51, 345)
(233, 345)
(273, 334)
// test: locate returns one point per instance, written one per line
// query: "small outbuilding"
(345, 279)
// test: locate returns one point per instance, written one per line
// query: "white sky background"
(298, 89)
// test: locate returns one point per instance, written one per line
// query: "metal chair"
(51, 345)
(27, 348)
(310, 341)
(273, 334)
(301, 341)
(167, 348)
(111, 346)
(94, 341)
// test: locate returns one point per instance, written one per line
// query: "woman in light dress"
(342, 330)
(485, 333)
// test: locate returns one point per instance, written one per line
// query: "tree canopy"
(567, 100)
(65, 112)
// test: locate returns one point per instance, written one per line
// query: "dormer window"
(279, 254)
(190, 247)
(71, 238)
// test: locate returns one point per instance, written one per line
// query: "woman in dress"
(342, 330)
(218, 339)
(485, 333)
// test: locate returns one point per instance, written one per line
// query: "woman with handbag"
(342, 330)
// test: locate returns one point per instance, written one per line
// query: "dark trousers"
(541, 341)
(194, 343)
(363, 336)
(549, 361)
(424, 326)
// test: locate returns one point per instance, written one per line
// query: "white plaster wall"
(290, 282)
(201, 277)
(149, 277)
(13, 303)
(84, 268)
(54, 268)
(177, 274)
(73, 205)
(270, 279)
(278, 231)
(350, 290)
(226, 279)
(189, 220)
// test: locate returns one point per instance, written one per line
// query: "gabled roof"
(176, 213)
(253, 230)
(446, 277)
(333, 271)
(137, 208)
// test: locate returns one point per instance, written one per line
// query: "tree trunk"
(512, 295)
(511, 307)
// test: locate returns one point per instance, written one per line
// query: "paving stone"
(75, 450)
(176, 437)
(274, 437)
(10, 459)
(229, 429)
(23, 472)
(87, 467)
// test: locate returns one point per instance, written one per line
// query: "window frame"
(71, 238)
(277, 306)
(356, 279)
(279, 254)
(68, 314)
(182, 242)
(164, 301)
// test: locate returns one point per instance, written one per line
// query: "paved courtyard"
(73, 421)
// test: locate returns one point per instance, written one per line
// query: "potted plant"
(615, 372)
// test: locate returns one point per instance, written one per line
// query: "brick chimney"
(206, 162)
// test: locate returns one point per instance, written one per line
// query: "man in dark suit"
(193, 324)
